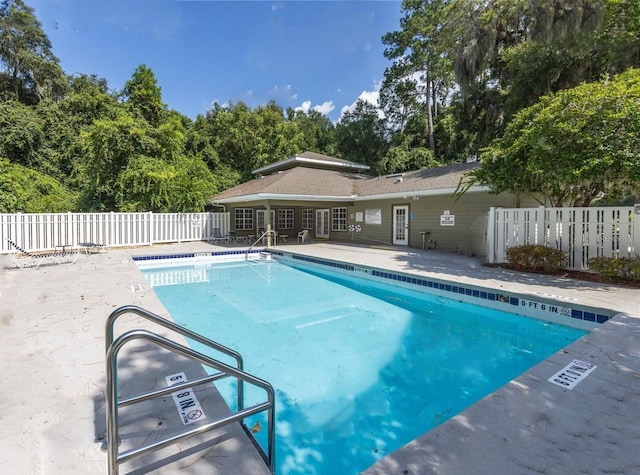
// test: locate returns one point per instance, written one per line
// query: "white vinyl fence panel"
(582, 233)
(48, 231)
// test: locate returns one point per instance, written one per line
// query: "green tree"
(23, 190)
(22, 134)
(571, 147)
(30, 71)
(88, 99)
(402, 158)
(421, 74)
(509, 53)
(179, 185)
(246, 139)
(316, 128)
(109, 145)
(143, 94)
(361, 135)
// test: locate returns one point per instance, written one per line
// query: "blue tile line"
(193, 254)
(457, 289)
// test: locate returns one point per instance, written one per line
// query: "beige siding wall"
(466, 236)
(297, 208)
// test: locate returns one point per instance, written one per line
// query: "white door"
(322, 223)
(261, 221)
(401, 225)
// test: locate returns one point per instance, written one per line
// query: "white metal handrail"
(114, 403)
(141, 312)
(262, 236)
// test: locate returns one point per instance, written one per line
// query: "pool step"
(265, 256)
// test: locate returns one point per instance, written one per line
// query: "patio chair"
(217, 236)
(303, 236)
(23, 258)
(93, 247)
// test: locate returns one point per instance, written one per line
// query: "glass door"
(401, 225)
(322, 223)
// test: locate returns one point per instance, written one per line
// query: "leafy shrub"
(536, 257)
(626, 268)
(23, 190)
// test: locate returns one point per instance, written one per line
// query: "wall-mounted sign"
(359, 217)
(373, 216)
(448, 220)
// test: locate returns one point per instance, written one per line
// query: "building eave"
(298, 160)
(351, 198)
(419, 193)
(282, 197)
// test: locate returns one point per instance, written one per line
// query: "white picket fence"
(44, 232)
(582, 233)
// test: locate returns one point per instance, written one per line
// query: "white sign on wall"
(448, 220)
(373, 216)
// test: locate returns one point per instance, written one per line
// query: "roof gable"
(312, 160)
(307, 183)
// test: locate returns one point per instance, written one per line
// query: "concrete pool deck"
(53, 370)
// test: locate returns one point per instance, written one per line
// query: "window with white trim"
(338, 219)
(285, 218)
(243, 219)
(307, 218)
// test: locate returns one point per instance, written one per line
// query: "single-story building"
(334, 199)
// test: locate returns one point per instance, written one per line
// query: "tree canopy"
(542, 91)
(571, 147)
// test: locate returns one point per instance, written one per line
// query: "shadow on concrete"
(143, 366)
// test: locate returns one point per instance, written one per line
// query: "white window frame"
(308, 218)
(243, 219)
(339, 219)
(286, 218)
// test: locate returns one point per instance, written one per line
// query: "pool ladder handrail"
(141, 312)
(112, 404)
(262, 236)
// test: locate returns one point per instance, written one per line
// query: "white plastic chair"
(302, 235)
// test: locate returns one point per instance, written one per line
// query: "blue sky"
(309, 54)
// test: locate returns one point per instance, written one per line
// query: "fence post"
(635, 231)
(541, 226)
(69, 237)
(152, 226)
(112, 228)
(491, 236)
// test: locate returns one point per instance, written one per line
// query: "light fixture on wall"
(416, 198)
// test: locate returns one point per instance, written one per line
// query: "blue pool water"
(360, 368)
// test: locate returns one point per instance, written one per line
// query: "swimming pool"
(360, 367)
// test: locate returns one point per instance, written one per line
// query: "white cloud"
(325, 107)
(304, 107)
(367, 96)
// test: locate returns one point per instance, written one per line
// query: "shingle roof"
(312, 159)
(446, 177)
(302, 181)
(299, 181)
